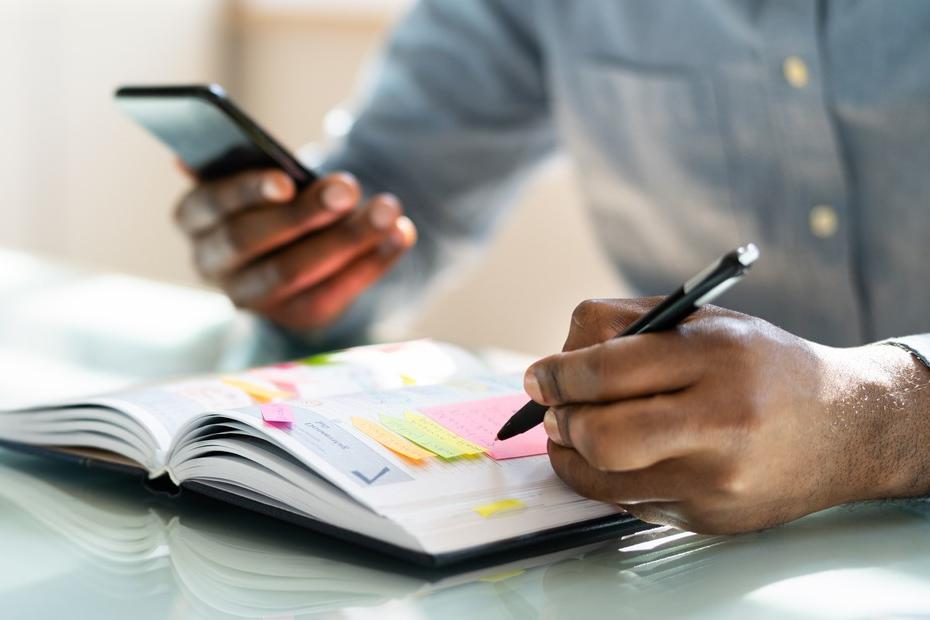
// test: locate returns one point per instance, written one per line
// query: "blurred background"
(81, 184)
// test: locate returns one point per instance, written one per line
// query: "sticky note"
(277, 413)
(530, 443)
(478, 421)
(504, 505)
(391, 440)
(321, 359)
(407, 379)
(287, 386)
(258, 392)
(442, 434)
(421, 438)
(282, 378)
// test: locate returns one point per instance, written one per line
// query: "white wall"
(79, 181)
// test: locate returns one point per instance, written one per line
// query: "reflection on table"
(76, 539)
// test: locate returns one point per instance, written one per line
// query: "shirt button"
(795, 72)
(824, 221)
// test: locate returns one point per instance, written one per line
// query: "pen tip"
(504, 433)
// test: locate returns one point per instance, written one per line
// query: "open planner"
(391, 446)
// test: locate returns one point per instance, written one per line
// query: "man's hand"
(298, 258)
(727, 423)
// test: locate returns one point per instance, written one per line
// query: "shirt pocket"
(653, 146)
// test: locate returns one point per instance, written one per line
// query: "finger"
(322, 304)
(338, 192)
(620, 368)
(628, 435)
(244, 236)
(597, 320)
(667, 481)
(209, 203)
(310, 260)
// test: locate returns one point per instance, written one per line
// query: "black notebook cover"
(546, 541)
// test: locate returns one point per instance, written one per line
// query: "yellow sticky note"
(391, 440)
(462, 446)
(504, 505)
(258, 392)
(407, 379)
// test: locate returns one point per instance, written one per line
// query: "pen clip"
(718, 290)
(741, 258)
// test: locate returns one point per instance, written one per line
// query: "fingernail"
(403, 235)
(383, 214)
(408, 232)
(337, 197)
(254, 284)
(216, 254)
(531, 385)
(551, 424)
(397, 238)
(276, 187)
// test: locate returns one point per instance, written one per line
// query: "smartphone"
(210, 134)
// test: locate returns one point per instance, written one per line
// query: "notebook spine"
(71, 457)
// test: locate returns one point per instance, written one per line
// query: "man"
(695, 126)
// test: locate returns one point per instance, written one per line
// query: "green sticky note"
(442, 434)
(421, 437)
(321, 359)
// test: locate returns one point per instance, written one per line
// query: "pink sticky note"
(286, 386)
(277, 413)
(479, 420)
(283, 379)
(530, 443)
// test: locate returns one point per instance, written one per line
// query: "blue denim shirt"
(694, 125)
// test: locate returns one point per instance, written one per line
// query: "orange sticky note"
(277, 413)
(390, 439)
(258, 392)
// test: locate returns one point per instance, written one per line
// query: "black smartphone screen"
(207, 131)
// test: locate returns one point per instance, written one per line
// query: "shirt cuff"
(917, 345)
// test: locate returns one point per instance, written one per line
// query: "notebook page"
(440, 500)
(163, 409)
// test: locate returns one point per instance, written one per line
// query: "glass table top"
(79, 543)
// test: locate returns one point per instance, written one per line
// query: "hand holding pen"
(728, 423)
(699, 290)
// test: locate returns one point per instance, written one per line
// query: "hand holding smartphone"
(276, 238)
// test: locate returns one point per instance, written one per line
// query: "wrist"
(881, 398)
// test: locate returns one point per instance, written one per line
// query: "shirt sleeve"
(457, 115)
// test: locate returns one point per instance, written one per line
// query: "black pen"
(699, 290)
